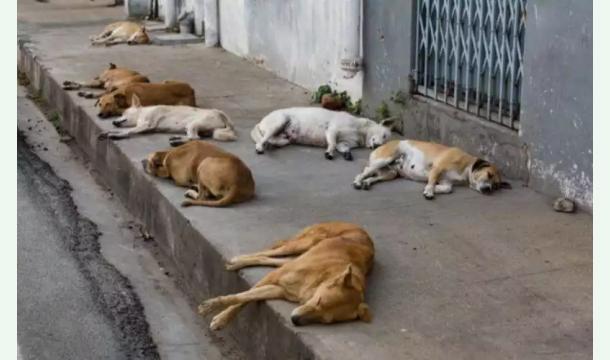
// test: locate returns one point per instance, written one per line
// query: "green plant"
(322, 90)
(400, 98)
(382, 112)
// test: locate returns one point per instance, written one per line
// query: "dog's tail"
(228, 132)
(227, 199)
(256, 134)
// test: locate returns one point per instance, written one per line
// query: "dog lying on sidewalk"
(440, 166)
(339, 131)
(121, 32)
(323, 268)
(173, 119)
(220, 178)
(166, 93)
(109, 80)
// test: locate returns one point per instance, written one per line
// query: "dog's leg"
(90, 95)
(345, 150)
(257, 293)
(257, 261)
(115, 41)
(444, 187)
(122, 134)
(331, 142)
(223, 318)
(73, 85)
(382, 175)
(433, 176)
(370, 170)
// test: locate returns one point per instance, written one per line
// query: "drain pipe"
(210, 23)
(351, 59)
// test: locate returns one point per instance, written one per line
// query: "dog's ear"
(112, 66)
(505, 185)
(346, 277)
(364, 313)
(121, 100)
(392, 123)
(135, 101)
(479, 164)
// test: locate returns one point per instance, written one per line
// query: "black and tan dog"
(109, 80)
(323, 268)
(438, 165)
(220, 178)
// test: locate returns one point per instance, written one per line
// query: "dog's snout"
(297, 320)
(102, 114)
(486, 189)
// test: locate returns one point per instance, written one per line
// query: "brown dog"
(121, 32)
(109, 80)
(221, 178)
(165, 93)
(323, 268)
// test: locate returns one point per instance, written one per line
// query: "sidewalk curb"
(261, 331)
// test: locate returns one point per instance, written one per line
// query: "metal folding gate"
(469, 54)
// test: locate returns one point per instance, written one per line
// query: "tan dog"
(323, 268)
(220, 178)
(165, 93)
(109, 80)
(121, 32)
(436, 164)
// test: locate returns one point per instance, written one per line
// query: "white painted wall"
(300, 40)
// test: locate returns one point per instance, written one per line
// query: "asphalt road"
(72, 304)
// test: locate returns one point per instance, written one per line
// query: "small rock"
(564, 205)
(45, 148)
(65, 138)
(331, 102)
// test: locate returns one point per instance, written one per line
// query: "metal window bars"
(469, 54)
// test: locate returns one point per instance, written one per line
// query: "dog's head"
(379, 134)
(139, 37)
(335, 300)
(131, 114)
(112, 104)
(155, 164)
(485, 177)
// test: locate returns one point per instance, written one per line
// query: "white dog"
(194, 121)
(335, 130)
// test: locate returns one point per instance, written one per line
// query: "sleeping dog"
(166, 93)
(323, 268)
(121, 32)
(109, 80)
(438, 165)
(215, 177)
(173, 119)
(334, 130)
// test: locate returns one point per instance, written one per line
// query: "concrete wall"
(553, 150)
(300, 40)
(557, 97)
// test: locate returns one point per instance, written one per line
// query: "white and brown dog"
(195, 122)
(438, 165)
(315, 126)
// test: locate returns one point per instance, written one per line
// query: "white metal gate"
(469, 54)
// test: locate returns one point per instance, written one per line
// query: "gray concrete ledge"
(477, 277)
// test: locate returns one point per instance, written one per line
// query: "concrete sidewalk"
(476, 277)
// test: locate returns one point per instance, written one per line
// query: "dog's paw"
(191, 194)
(366, 185)
(175, 137)
(428, 195)
(231, 266)
(328, 156)
(186, 203)
(357, 185)
(208, 306)
(102, 136)
(348, 156)
(219, 322)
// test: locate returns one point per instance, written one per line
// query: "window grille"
(469, 54)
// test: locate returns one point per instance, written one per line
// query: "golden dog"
(109, 80)
(165, 93)
(323, 268)
(220, 178)
(438, 165)
(121, 32)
